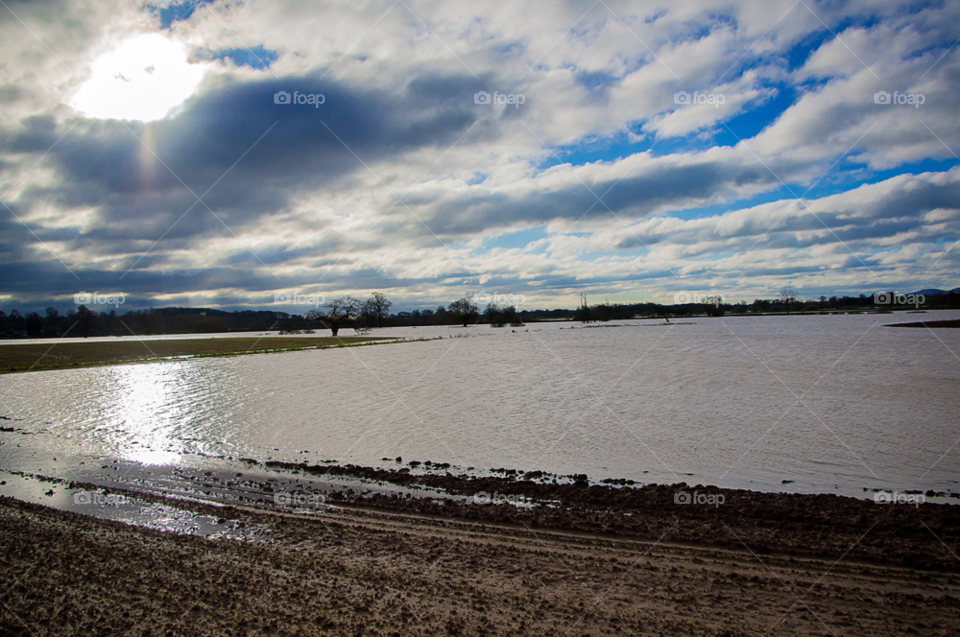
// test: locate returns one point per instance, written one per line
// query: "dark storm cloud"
(104, 163)
(816, 223)
(37, 283)
(665, 185)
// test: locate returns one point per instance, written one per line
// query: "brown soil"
(352, 571)
(825, 526)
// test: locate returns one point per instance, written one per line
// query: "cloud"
(252, 154)
(399, 180)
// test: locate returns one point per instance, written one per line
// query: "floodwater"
(833, 404)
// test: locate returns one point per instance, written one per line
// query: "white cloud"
(590, 81)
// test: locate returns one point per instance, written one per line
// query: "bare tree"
(464, 310)
(788, 296)
(583, 314)
(339, 311)
(378, 306)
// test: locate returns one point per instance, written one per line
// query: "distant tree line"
(82, 321)
(374, 312)
(786, 302)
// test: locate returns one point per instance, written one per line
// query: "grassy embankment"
(68, 355)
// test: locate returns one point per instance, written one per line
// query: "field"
(355, 571)
(68, 355)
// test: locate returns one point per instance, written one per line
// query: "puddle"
(126, 509)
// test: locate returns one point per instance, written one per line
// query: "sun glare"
(142, 79)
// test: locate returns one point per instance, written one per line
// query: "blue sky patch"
(175, 12)
(255, 57)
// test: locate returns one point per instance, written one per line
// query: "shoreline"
(943, 324)
(821, 526)
(817, 525)
(375, 551)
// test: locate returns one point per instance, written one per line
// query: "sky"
(241, 154)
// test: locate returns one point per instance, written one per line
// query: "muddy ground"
(826, 526)
(589, 560)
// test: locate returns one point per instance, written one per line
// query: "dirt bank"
(824, 526)
(362, 572)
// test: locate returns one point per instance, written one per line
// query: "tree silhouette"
(339, 312)
(378, 306)
(788, 296)
(86, 318)
(463, 310)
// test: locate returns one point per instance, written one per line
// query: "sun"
(144, 78)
